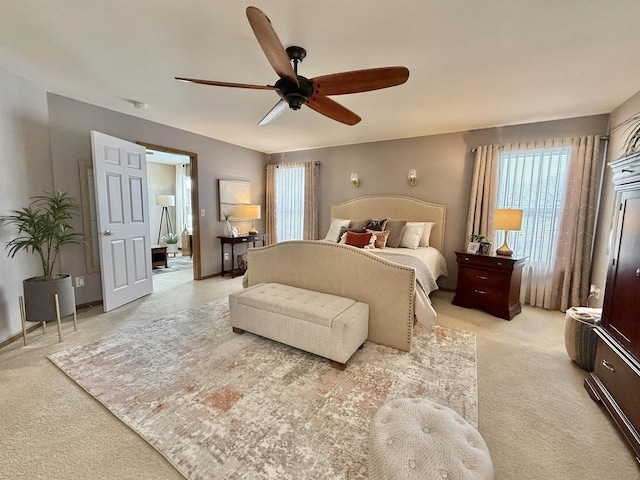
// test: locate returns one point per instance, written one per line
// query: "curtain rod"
(604, 138)
(317, 162)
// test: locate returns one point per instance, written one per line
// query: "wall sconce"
(354, 180)
(413, 177)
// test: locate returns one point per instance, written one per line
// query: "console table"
(233, 241)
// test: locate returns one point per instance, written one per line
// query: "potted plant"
(43, 228)
(632, 142)
(171, 239)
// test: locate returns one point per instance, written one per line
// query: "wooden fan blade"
(277, 110)
(333, 110)
(360, 80)
(227, 84)
(271, 44)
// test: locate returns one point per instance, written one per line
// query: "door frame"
(195, 204)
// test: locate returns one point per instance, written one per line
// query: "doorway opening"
(172, 179)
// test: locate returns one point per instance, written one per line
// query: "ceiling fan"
(296, 90)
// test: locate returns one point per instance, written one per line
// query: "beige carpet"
(220, 405)
(534, 414)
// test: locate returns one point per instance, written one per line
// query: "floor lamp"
(165, 201)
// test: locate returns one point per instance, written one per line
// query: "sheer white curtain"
(533, 177)
(290, 202)
(180, 192)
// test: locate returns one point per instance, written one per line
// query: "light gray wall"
(26, 171)
(70, 122)
(607, 204)
(444, 164)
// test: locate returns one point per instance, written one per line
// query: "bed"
(428, 259)
(389, 280)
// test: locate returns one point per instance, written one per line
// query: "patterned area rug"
(219, 405)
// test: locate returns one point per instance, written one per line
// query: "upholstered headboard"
(399, 207)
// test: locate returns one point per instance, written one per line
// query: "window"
(290, 203)
(535, 181)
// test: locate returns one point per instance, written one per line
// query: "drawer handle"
(498, 263)
(482, 277)
(481, 292)
(244, 239)
(626, 170)
(466, 259)
(608, 366)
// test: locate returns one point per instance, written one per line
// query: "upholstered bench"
(417, 439)
(327, 325)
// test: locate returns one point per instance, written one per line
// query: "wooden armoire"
(615, 380)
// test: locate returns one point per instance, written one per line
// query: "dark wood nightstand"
(233, 241)
(489, 282)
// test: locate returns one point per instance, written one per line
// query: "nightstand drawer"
(486, 261)
(482, 284)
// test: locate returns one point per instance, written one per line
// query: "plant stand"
(23, 317)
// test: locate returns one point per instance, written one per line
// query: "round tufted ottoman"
(420, 439)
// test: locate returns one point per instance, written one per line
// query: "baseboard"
(31, 328)
(18, 336)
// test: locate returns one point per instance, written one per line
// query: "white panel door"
(120, 177)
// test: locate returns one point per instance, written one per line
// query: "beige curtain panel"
(484, 190)
(270, 220)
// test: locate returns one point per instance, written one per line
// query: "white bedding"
(437, 266)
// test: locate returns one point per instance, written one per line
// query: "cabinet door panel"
(622, 312)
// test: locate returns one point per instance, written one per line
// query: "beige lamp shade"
(166, 200)
(508, 219)
(245, 212)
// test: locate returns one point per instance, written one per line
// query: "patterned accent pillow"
(377, 225)
(360, 240)
(381, 238)
(396, 229)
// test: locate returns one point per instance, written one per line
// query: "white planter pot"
(172, 248)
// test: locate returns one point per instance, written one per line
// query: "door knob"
(107, 233)
(638, 272)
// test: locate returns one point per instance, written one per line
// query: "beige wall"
(26, 171)
(607, 204)
(444, 164)
(161, 180)
(71, 121)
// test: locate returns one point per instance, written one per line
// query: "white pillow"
(412, 235)
(426, 234)
(334, 229)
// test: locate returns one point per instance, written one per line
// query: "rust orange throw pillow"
(359, 240)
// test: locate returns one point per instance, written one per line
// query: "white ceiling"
(473, 63)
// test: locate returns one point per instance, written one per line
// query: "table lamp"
(250, 212)
(507, 219)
